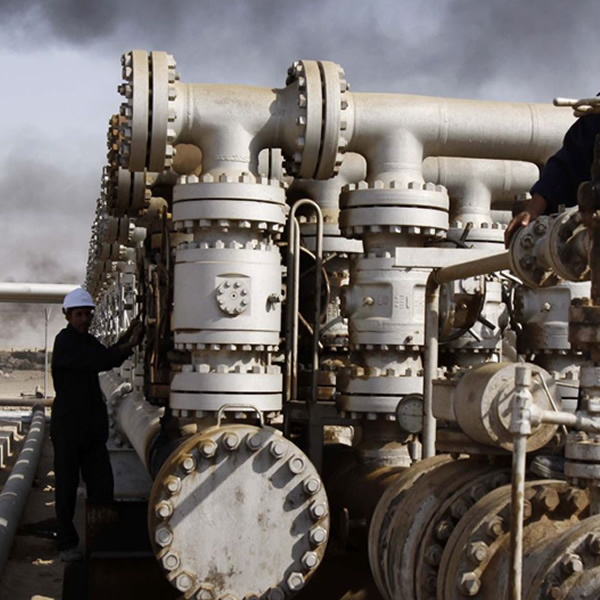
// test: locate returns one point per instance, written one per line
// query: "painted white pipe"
(15, 490)
(473, 183)
(137, 420)
(396, 132)
(35, 293)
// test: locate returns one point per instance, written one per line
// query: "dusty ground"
(15, 383)
(33, 571)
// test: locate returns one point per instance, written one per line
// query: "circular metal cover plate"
(238, 510)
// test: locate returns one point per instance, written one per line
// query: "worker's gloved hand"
(537, 205)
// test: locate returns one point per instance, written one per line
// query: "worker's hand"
(537, 205)
(137, 334)
(132, 325)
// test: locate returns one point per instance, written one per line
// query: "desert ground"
(33, 570)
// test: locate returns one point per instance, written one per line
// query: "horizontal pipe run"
(481, 266)
(35, 293)
(15, 490)
(578, 421)
(395, 132)
(137, 420)
(26, 401)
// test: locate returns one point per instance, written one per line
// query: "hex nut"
(433, 555)
(554, 593)
(207, 448)
(173, 484)
(189, 464)
(495, 527)
(312, 485)
(459, 508)
(276, 593)
(277, 449)
(593, 542)
(184, 581)
(576, 499)
(317, 535)
(254, 442)
(318, 510)
(469, 583)
(205, 592)
(478, 552)
(310, 560)
(227, 597)
(295, 581)
(163, 509)
(296, 464)
(443, 530)
(170, 561)
(571, 563)
(163, 536)
(477, 492)
(231, 441)
(431, 583)
(547, 498)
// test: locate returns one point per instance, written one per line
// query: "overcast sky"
(61, 66)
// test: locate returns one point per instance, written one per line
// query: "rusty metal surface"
(392, 498)
(424, 521)
(476, 559)
(238, 510)
(571, 569)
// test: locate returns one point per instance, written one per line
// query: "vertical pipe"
(520, 428)
(15, 490)
(430, 359)
(46, 318)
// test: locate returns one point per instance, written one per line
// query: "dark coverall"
(79, 425)
(570, 166)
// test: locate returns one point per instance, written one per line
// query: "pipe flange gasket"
(149, 91)
(281, 515)
(227, 347)
(321, 121)
(226, 203)
(415, 209)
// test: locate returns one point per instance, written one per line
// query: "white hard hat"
(78, 298)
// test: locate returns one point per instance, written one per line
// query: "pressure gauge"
(409, 413)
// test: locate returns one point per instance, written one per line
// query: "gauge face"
(409, 413)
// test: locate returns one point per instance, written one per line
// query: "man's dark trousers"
(78, 452)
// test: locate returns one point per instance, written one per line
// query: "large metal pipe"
(482, 266)
(35, 293)
(15, 490)
(136, 420)
(25, 401)
(472, 268)
(395, 132)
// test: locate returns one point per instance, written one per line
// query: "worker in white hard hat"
(79, 423)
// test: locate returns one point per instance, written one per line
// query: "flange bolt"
(470, 584)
